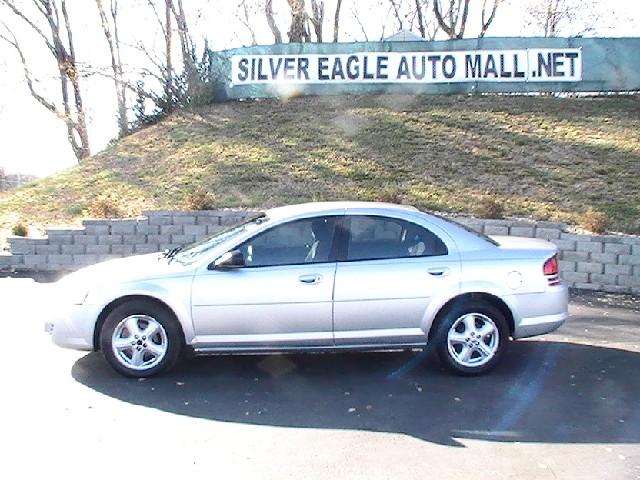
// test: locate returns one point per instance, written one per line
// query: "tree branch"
(33, 26)
(27, 73)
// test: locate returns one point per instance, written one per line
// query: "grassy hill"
(546, 158)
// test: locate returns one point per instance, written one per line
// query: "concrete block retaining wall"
(608, 263)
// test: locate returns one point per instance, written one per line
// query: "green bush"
(20, 230)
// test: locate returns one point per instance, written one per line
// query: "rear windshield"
(472, 231)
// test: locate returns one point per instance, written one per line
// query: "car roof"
(463, 238)
(333, 208)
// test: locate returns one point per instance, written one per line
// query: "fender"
(178, 299)
(442, 299)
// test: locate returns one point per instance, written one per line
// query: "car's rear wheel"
(140, 339)
(471, 338)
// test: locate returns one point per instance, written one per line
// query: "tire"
(471, 338)
(133, 353)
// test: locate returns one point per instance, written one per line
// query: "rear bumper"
(540, 313)
(530, 327)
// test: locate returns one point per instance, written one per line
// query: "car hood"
(128, 269)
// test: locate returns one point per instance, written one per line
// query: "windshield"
(194, 251)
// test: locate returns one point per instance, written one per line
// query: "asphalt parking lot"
(566, 405)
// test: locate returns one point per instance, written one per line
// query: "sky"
(33, 141)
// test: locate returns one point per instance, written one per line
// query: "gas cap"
(514, 280)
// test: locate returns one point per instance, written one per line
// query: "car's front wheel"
(140, 339)
(471, 338)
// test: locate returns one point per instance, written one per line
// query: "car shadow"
(543, 391)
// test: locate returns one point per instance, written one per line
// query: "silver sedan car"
(317, 277)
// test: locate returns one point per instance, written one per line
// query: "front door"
(281, 298)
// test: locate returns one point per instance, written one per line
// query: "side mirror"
(232, 259)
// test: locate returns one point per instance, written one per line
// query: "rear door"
(389, 272)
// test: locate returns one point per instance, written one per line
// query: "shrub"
(488, 207)
(199, 200)
(76, 210)
(594, 221)
(391, 196)
(105, 207)
(20, 230)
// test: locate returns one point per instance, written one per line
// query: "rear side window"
(375, 238)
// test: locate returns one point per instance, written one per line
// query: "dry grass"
(545, 158)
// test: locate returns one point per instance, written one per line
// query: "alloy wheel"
(139, 342)
(473, 340)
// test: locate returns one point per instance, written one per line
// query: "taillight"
(551, 266)
(550, 269)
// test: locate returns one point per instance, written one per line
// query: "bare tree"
(244, 16)
(298, 30)
(453, 17)
(411, 13)
(59, 42)
(383, 14)
(189, 61)
(557, 17)
(488, 20)
(181, 82)
(110, 30)
(317, 17)
(268, 11)
(427, 24)
(356, 16)
(420, 18)
(336, 21)
(396, 6)
(165, 66)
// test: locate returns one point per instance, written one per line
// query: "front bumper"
(73, 326)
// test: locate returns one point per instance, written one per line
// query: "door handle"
(439, 271)
(310, 279)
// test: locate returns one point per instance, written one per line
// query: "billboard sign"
(521, 65)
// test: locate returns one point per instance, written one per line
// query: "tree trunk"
(168, 71)
(186, 46)
(116, 65)
(72, 73)
(121, 93)
(297, 31)
(317, 10)
(336, 21)
(268, 11)
(456, 24)
(423, 32)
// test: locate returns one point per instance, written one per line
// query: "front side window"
(191, 253)
(294, 243)
(374, 238)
